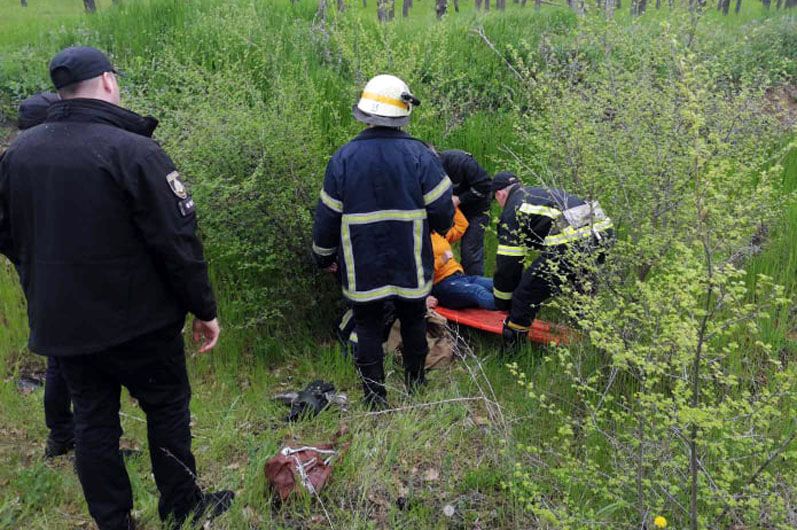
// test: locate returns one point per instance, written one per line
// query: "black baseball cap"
(78, 63)
(502, 180)
(33, 110)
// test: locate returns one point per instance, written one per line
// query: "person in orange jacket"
(452, 288)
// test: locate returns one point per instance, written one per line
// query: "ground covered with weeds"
(677, 401)
(436, 459)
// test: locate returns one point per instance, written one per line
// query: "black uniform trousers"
(369, 321)
(550, 271)
(472, 245)
(152, 368)
(538, 283)
(57, 404)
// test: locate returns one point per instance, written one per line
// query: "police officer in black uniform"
(103, 236)
(57, 405)
(472, 196)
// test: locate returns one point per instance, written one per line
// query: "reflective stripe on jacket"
(533, 219)
(440, 245)
(382, 193)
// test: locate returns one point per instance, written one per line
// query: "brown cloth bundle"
(304, 466)
(442, 344)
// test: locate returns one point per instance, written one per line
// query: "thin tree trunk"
(456, 6)
(738, 6)
(385, 10)
(767, 3)
(441, 6)
(726, 5)
(341, 6)
(500, 5)
(486, 5)
(478, 4)
(405, 8)
(90, 6)
(24, 3)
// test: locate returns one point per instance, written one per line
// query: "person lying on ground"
(452, 287)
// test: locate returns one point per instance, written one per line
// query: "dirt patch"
(781, 102)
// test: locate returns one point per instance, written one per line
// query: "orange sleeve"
(458, 230)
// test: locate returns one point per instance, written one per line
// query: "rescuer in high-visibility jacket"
(383, 192)
(559, 225)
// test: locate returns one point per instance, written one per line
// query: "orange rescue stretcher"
(541, 332)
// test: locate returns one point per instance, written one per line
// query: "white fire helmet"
(386, 101)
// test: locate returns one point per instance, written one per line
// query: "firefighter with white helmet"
(386, 101)
(383, 192)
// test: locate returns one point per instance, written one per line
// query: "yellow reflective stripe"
(438, 191)
(517, 327)
(388, 290)
(333, 204)
(353, 337)
(507, 250)
(570, 234)
(536, 209)
(418, 237)
(347, 316)
(387, 100)
(321, 251)
(348, 255)
(501, 295)
(383, 215)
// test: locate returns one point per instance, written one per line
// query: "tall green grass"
(253, 96)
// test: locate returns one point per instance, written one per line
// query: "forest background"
(677, 401)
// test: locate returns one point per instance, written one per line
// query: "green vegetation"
(669, 119)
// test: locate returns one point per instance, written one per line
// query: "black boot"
(54, 448)
(512, 337)
(213, 505)
(414, 374)
(373, 377)
(206, 507)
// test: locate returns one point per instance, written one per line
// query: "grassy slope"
(443, 454)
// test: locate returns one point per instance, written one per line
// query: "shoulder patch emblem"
(177, 187)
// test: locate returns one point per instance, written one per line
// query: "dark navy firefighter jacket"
(383, 192)
(534, 219)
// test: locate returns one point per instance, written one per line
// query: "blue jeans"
(459, 291)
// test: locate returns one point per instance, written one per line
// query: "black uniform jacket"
(471, 181)
(525, 224)
(100, 229)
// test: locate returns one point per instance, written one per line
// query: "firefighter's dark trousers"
(547, 274)
(472, 245)
(153, 370)
(369, 326)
